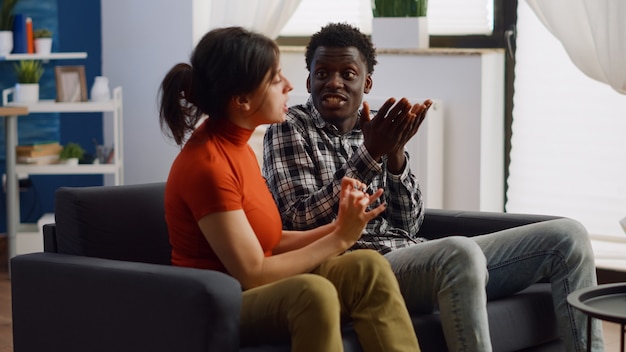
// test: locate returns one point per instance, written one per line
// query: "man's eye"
(320, 75)
(349, 75)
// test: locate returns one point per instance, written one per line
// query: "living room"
(139, 40)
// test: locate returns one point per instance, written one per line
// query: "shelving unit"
(112, 109)
(113, 106)
(51, 56)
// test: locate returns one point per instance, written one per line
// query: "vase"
(100, 90)
(400, 33)
(26, 93)
(43, 46)
(6, 42)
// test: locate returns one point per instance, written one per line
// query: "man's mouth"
(331, 101)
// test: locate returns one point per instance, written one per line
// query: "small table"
(10, 134)
(605, 302)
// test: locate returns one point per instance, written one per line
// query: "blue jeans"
(458, 274)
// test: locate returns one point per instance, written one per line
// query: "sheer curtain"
(593, 32)
(568, 145)
(265, 16)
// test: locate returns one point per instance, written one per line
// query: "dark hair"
(226, 62)
(342, 35)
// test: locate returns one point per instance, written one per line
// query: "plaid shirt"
(305, 159)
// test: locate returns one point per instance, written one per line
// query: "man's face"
(337, 80)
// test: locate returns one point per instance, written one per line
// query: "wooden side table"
(605, 302)
(10, 115)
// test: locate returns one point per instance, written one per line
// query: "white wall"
(470, 85)
(141, 41)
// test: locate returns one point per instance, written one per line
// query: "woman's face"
(269, 102)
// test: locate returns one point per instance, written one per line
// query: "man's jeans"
(452, 273)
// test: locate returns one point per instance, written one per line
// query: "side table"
(10, 134)
(605, 302)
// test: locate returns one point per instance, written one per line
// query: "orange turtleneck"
(216, 171)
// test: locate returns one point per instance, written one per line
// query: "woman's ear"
(241, 102)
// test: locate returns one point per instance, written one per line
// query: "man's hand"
(391, 129)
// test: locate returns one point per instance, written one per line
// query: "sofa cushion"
(113, 222)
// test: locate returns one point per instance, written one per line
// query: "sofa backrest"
(114, 222)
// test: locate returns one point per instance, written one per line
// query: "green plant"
(42, 33)
(399, 8)
(28, 71)
(72, 150)
(6, 15)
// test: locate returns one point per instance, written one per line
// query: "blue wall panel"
(76, 26)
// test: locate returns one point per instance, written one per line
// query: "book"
(30, 46)
(19, 34)
(38, 160)
(37, 150)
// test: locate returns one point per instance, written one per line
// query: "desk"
(10, 115)
(605, 302)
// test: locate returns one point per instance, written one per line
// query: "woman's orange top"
(216, 171)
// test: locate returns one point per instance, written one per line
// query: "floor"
(611, 330)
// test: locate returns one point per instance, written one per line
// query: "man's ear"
(308, 84)
(368, 84)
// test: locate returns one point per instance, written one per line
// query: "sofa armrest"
(50, 238)
(440, 223)
(73, 303)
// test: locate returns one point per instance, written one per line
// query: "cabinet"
(112, 109)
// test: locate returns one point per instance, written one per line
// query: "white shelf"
(60, 169)
(51, 56)
(53, 106)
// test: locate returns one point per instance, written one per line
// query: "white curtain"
(593, 32)
(264, 16)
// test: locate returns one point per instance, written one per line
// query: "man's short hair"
(342, 35)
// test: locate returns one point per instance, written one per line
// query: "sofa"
(104, 283)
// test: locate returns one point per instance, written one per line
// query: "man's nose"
(335, 81)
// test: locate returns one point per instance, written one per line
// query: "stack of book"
(38, 153)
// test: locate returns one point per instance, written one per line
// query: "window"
(568, 146)
(445, 17)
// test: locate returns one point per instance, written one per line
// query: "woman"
(221, 216)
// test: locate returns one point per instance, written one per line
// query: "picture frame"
(71, 83)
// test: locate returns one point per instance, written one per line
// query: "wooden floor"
(611, 330)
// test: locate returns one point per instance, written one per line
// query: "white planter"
(26, 93)
(43, 46)
(400, 32)
(69, 162)
(6, 42)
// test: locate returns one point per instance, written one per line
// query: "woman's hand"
(353, 214)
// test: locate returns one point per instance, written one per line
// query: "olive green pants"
(358, 286)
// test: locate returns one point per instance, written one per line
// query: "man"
(328, 138)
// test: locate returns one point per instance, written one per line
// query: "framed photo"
(71, 83)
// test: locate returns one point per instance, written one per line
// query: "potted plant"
(71, 153)
(400, 24)
(28, 75)
(6, 26)
(43, 41)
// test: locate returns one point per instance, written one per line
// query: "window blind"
(445, 17)
(568, 145)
